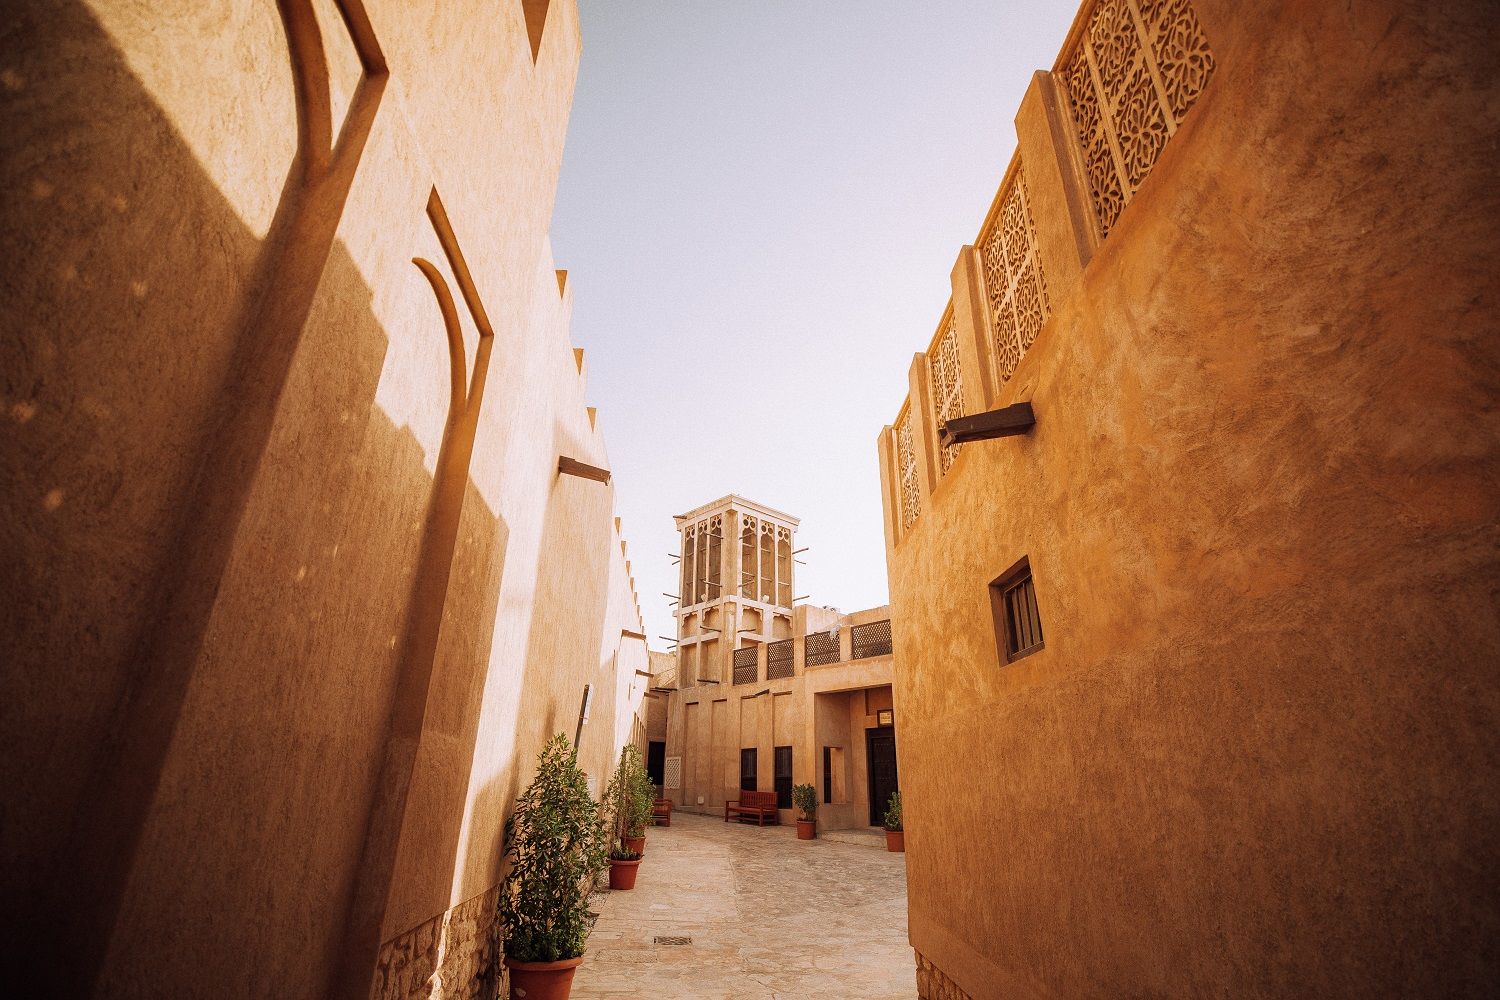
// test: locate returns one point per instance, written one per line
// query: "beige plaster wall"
(1258, 753)
(279, 652)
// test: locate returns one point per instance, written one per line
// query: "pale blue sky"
(759, 209)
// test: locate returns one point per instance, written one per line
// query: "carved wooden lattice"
(947, 388)
(779, 660)
(744, 665)
(906, 466)
(1013, 276)
(1130, 79)
(870, 639)
(819, 648)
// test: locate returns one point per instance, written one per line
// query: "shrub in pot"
(805, 799)
(628, 799)
(895, 837)
(556, 842)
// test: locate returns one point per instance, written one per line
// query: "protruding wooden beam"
(572, 467)
(1007, 421)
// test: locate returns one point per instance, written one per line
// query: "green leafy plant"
(629, 795)
(805, 798)
(557, 841)
(893, 813)
(620, 854)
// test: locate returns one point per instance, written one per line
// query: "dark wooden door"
(881, 745)
(747, 770)
(783, 777)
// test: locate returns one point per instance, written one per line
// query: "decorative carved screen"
(906, 469)
(779, 660)
(820, 648)
(1130, 79)
(871, 639)
(671, 776)
(1013, 277)
(744, 665)
(947, 387)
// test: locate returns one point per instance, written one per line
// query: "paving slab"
(768, 915)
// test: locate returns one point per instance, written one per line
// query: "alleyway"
(768, 916)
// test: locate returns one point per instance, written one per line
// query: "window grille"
(871, 639)
(779, 659)
(820, 648)
(1013, 277)
(827, 775)
(783, 777)
(744, 665)
(1130, 79)
(1018, 621)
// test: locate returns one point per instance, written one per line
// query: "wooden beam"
(1007, 421)
(572, 467)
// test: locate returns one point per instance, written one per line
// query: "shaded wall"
(295, 590)
(1257, 755)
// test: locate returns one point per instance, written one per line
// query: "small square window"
(1018, 623)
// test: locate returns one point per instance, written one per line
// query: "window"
(744, 665)
(747, 770)
(779, 660)
(820, 647)
(783, 777)
(1018, 623)
(827, 775)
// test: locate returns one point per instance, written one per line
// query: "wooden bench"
(661, 812)
(760, 805)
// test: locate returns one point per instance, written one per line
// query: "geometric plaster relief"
(1013, 276)
(906, 465)
(947, 387)
(1131, 78)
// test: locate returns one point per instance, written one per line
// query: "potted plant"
(628, 798)
(556, 842)
(805, 798)
(895, 838)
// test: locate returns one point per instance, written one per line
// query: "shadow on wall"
(213, 534)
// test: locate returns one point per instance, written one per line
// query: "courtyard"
(765, 915)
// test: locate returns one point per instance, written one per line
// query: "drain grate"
(669, 939)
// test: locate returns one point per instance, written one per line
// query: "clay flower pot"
(542, 980)
(635, 845)
(895, 841)
(622, 873)
(807, 829)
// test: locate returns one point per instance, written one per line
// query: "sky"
(759, 208)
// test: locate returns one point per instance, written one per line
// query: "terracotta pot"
(895, 841)
(542, 980)
(635, 845)
(807, 829)
(622, 873)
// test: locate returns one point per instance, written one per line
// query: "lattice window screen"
(671, 774)
(1013, 276)
(947, 387)
(744, 665)
(779, 660)
(820, 648)
(871, 639)
(1135, 72)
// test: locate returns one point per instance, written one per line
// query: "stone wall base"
(450, 957)
(933, 985)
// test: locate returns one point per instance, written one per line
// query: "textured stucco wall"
(232, 763)
(1258, 755)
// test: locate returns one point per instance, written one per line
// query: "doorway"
(656, 761)
(880, 746)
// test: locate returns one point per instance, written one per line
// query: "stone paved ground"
(770, 916)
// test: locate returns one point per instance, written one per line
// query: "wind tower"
(736, 584)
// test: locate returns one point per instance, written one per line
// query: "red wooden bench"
(760, 805)
(661, 812)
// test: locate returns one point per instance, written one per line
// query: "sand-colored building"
(308, 546)
(1215, 638)
(766, 692)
